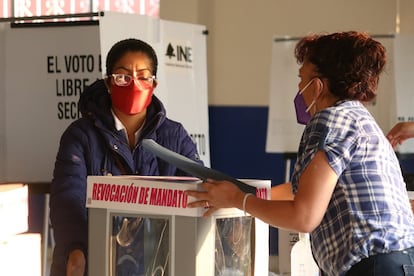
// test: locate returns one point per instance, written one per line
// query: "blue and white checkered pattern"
(369, 212)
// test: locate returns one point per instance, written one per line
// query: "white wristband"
(244, 202)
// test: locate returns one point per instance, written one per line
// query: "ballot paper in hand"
(191, 167)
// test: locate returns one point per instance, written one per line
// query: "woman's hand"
(76, 263)
(400, 132)
(216, 195)
(302, 212)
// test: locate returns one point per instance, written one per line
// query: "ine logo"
(179, 53)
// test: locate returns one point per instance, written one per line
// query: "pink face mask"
(131, 99)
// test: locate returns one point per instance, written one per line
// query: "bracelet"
(244, 202)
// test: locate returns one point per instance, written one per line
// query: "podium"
(141, 226)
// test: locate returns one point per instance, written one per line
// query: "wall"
(241, 31)
(239, 53)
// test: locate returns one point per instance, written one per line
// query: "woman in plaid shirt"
(347, 188)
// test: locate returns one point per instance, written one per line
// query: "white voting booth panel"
(141, 224)
(182, 72)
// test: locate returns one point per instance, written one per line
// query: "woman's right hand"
(76, 263)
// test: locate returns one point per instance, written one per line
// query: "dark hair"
(130, 45)
(350, 61)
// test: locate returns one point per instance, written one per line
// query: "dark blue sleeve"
(68, 196)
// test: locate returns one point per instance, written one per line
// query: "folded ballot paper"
(191, 167)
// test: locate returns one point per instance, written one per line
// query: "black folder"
(191, 167)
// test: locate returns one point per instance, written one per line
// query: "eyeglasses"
(125, 80)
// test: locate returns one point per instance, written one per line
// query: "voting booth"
(141, 226)
(44, 70)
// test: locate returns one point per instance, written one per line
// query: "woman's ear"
(318, 87)
(154, 84)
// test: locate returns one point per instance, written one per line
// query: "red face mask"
(131, 99)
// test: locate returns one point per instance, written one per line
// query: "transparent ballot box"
(141, 226)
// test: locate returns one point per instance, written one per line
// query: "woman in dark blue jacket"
(117, 113)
